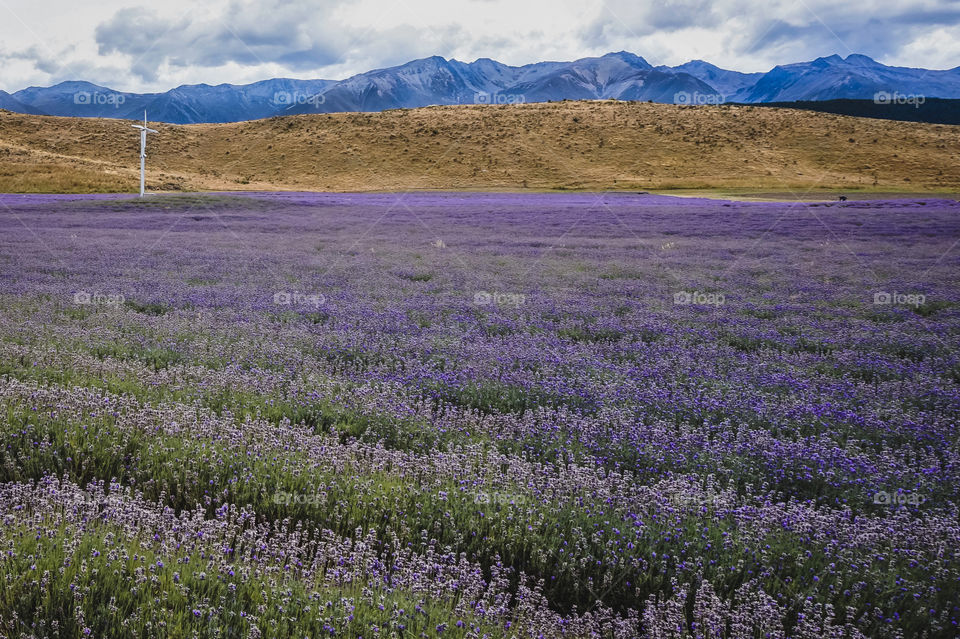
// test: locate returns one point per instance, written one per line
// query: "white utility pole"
(143, 148)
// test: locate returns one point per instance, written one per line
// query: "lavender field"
(478, 415)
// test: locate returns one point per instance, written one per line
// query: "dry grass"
(566, 145)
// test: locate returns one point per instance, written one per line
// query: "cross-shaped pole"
(143, 148)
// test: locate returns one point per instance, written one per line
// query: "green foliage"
(179, 595)
(146, 308)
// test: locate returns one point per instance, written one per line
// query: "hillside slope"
(569, 145)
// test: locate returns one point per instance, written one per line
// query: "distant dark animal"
(843, 198)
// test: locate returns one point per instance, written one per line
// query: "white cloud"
(754, 36)
(939, 48)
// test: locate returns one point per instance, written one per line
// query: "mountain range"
(437, 81)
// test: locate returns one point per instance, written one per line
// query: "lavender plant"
(478, 415)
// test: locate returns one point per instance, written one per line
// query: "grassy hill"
(565, 145)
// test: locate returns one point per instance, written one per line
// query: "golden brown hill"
(566, 145)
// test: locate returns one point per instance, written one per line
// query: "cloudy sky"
(137, 46)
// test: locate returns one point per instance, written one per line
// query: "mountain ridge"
(436, 80)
